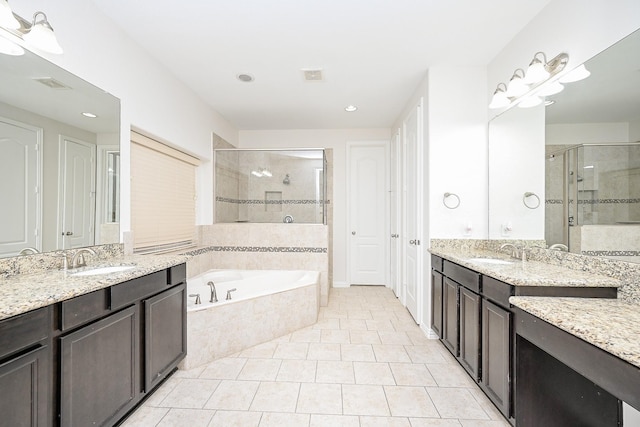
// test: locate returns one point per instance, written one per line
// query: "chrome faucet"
(229, 293)
(515, 251)
(27, 251)
(559, 247)
(78, 258)
(214, 295)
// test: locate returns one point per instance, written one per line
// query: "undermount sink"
(494, 261)
(104, 270)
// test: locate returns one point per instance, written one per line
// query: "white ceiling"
(373, 53)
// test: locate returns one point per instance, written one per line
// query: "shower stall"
(593, 199)
(270, 186)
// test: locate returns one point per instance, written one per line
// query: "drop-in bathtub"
(265, 305)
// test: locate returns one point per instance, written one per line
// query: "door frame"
(349, 146)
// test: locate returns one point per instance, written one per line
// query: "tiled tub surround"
(626, 273)
(231, 326)
(20, 293)
(249, 246)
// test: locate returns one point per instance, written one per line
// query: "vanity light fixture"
(10, 48)
(350, 108)
(38, 33)
(517, 86)
(528, 89)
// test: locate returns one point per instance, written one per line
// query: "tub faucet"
(559, 247)
(214, 295)
(229, 293)
(78, 258)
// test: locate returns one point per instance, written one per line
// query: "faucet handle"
(229, 293)
(65, 261)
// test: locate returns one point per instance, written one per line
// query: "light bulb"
(578, 73)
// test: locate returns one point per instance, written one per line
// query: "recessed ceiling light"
(350, 108)
(246, 78)
(90, 115)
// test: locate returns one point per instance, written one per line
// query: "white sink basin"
(490, 261)
(104, 270)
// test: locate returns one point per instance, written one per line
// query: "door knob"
(412, 242)
(68, 233)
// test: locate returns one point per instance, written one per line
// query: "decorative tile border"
(594, 202)
(270, 202)
(261, 249)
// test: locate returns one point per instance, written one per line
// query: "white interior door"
(395, 264)
(367, 213)
(412, 211)
(20, 183)
(77, 190)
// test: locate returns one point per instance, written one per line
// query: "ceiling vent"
(52, 83)
(313, 75)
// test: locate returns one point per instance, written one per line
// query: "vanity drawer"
(24, 330)
(497, 291)
(137, 289)
(468, 278)
(177, 274)
(83, 309)
(437, 263)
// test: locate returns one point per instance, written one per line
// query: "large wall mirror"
(584, 166)
(59, 159)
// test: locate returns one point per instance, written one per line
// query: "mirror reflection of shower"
(254, 185)
(593, 199)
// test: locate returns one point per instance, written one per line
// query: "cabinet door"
(436, 302)
(165, 334)
(24, 389)
(470, 332)
(496, 350)
(450, 315)
(99, 370)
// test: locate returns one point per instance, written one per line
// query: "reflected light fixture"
(528, 89)
(37, 34)
(89, 115)
(350, 108)
(10, 48)
(577, 74)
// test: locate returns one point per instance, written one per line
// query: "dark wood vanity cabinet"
(450, 316)
(437, 282)
(25, 369)
(497, 355)
(470, 332)
(131, 339)
(90, 360)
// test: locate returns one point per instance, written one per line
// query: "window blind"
(163, 191)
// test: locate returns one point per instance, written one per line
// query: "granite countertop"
(610, 324)
(26, 292)
(528, 273)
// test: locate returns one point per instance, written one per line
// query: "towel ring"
(446, 196)
(530, 194)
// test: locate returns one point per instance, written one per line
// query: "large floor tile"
(260, 369)
(306, 335)
(236, 419)
(320, 399)
(334, 421)
(373, 373)
(177, 417)
(394, 337)
(365, 337)
(364, 400)
(412, 374)
(390, 353)
(335, 372)
(449, 375)
(384, 422)
(425, 354)
(456, 403)
(190, 394)
(432, 422)
(273, 419)
(261, 351)
(146, 416)
(300, 371)
(233, 395)
(291, 350)
(324, 351)
(410, 402)
(335, 336)
(276, 397)
(357, 353)
(224, 369)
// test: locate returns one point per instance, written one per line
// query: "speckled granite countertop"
(610, 324)
(529, 273)
(25, 292)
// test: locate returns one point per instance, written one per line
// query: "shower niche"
(270, 186)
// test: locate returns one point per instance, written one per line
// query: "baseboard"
(340, 284)
(428, 332)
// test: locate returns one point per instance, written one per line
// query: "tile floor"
(364, 363)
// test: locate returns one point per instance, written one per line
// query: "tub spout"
(214, 295)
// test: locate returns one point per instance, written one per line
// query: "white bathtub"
(267, 304)
(248, 284)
